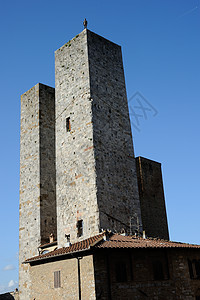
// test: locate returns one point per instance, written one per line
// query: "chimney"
(51, 238)
(106, 236)
(68, 243)
(123, 232)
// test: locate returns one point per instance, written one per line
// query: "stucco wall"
(42, 278)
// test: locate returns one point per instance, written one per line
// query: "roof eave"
(54, 256)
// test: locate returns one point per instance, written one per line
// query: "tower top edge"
(145, 159)
(86, 31)
(38, 86)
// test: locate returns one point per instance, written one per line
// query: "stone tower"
(37, 177)
(95, 165)
(152, 199)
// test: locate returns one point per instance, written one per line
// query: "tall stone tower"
(95, 165)
(37, 177)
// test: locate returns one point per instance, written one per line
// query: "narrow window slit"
(79, 228)
(68, 124)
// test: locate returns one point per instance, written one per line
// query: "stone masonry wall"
(48, 219)
(37, 197)
(42, 278)
(117, 189)
(152, 199)
(75, 163)
(140, 283)
(95, 158)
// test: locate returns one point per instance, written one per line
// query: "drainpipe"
(108, 277)
(79, 278)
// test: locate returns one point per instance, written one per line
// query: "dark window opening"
(121, 272)
(197, 268)
(57, 279)
(68, 124)
(158, 270)
(194, 268)
(79, 228)
(190, 268)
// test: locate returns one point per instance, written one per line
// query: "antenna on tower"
(134, 225)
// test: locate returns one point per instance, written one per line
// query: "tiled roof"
(79, 246)
(120, 241)
(114, 241)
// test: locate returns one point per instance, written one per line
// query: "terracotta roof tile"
(120, 241)
(114, 241)
(79, 246)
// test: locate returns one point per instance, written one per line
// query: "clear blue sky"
(161, 46)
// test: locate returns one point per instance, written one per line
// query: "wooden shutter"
(56, 279)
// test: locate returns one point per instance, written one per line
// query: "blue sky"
(161, 45)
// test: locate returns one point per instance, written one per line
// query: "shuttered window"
(57, 279)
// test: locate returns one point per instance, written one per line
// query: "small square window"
(68, 124)
(57, 279)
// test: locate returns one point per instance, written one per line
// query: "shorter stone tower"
(37, 177)
(152, 199)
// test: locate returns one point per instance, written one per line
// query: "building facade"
(116, 267)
